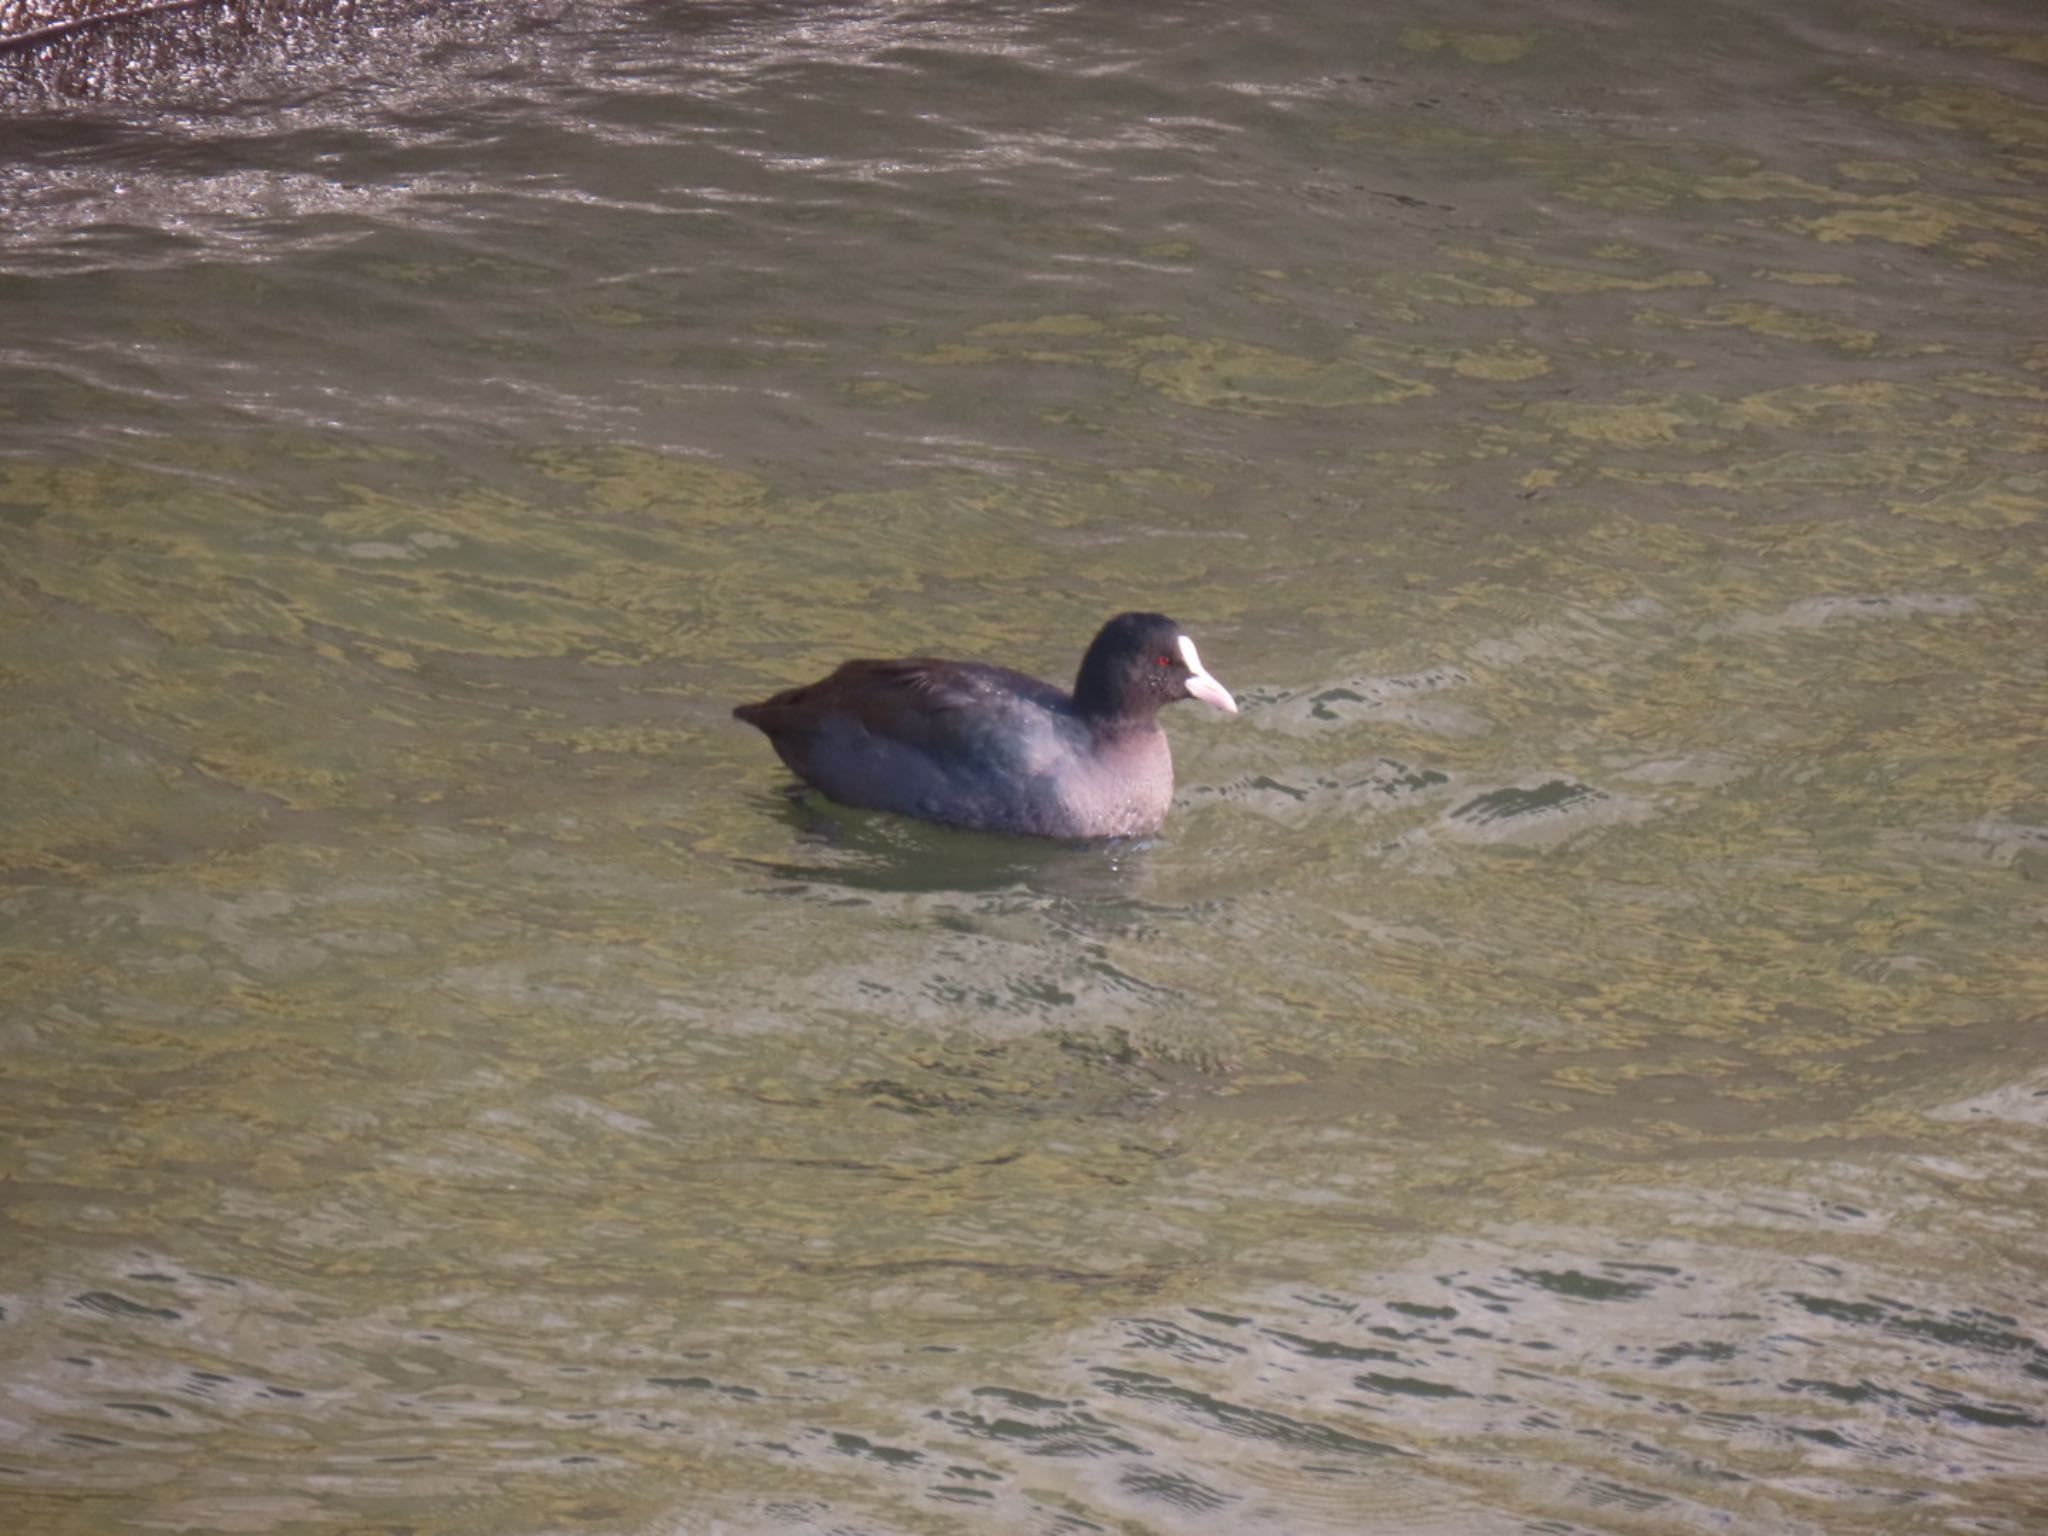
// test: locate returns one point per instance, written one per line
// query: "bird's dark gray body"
(985, 747)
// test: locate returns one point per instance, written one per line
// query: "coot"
(985, 747)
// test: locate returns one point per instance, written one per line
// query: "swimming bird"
(984, 747)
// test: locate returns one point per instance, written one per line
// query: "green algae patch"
(1555, 278)
(1206, 373)
(1784, 324)
(1452, 289)
(1504, 363)
(2017, 503)
(1917, 223)
(1995, 117)
(1890, 172)
(2025, 47)
(2005, 228)
(1475, 47)
(883, 392)
(662, 485)
(1645, 424)
(1995, 386)
(1238, 376)
(1044, 325)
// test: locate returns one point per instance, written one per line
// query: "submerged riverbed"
(1573, 1061)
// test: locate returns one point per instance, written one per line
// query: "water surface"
(1574, 1061)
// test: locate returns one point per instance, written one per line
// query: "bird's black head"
(1139, 662)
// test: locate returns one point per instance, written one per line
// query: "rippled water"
(1575, 1059)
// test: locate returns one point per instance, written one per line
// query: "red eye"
(1163, 661)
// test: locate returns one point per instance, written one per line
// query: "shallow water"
(1574, 1060)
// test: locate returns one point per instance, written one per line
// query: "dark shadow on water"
(874, 851)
